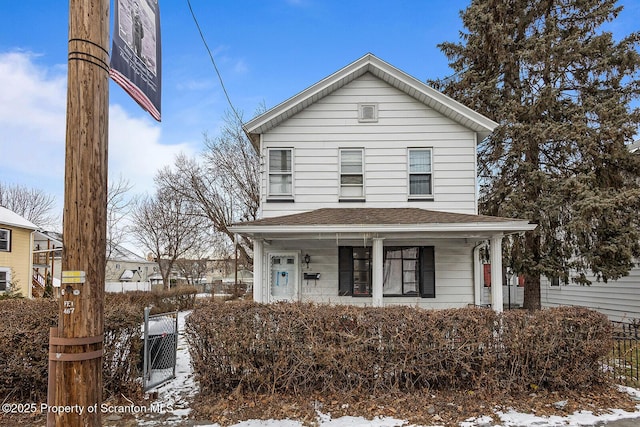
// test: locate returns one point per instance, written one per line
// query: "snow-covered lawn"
(172, 407)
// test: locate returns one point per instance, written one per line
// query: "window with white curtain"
(420, 173)
(351, 174)
(401, 271)
(407, 271)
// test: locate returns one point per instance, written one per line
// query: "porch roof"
(381, 220)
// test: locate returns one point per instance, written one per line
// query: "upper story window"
(280, 172)
(420, 173)
(5, 240)
(351, 174)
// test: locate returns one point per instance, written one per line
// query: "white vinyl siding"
(321, 130)
(618, 299)
(351, 174)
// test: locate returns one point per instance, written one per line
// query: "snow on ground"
(174, 397)
(581, 418)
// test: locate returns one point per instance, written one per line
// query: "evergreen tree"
(561, 89)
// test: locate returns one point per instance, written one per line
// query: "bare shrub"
(558, 348)
(24, 341)
(305, 348)
(24, 348)
(122, 346)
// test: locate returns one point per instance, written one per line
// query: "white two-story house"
(368, 195)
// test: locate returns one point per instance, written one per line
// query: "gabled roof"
(128, 275)
(12, 219)
(384, 71)
(120, 253)
(380, 220)
(54, 237)
(635, 146)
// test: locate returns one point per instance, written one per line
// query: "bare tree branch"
(168, 226)
(118, 207)
(224, 184)
(33, 204)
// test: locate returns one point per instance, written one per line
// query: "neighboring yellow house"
(16, 246)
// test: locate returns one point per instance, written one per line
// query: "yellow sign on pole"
(77, 276)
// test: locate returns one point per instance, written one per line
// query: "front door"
(283, 282)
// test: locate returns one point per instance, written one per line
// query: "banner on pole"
(135, 53)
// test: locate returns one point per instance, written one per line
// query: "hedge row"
(304, 348)
(177, 298)
(24, 342)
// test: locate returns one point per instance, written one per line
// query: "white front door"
(283, 277)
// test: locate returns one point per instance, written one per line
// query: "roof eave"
(24, 226)
(494, 227)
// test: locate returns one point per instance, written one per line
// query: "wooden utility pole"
(76, 345)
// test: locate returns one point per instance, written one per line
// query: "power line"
(224, 89)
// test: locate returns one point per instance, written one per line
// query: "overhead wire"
(224, 89)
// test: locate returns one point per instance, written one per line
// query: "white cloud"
(241, 67)
(135, 151)
(32, 119)
(33, 122)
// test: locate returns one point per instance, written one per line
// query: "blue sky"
(266, 51)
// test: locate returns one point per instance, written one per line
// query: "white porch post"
(378, 275)
(496, 272)
(477, 276)
(258, 286)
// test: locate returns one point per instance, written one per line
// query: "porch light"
(307, 260)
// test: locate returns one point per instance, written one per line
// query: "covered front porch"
(377, 257)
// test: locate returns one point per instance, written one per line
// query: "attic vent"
(368, 112)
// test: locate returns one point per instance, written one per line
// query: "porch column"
(496, 272)
(477, 276)
(378, 275)
(258, 286)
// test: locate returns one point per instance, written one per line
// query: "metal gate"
(623, 363)
(160, 348)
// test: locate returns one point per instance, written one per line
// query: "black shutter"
(345, 270)
(427, 272)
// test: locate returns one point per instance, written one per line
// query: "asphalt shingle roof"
(374, 216)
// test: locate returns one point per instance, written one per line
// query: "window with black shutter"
(407, 271)
(354, 267)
